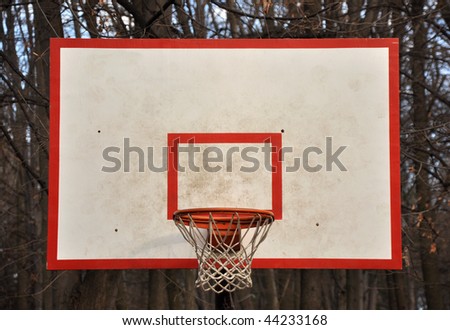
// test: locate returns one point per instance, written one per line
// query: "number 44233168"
(296, 320)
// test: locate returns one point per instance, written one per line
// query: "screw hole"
(116, 230)
(282, 131)
(317, 224)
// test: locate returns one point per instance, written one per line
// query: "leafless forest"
(423, 28)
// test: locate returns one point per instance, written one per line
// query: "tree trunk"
(48, 25)
(429, 254)
(287, 288)
(158, 298)
(99, 290)
(354, 289)
(310, 297)
(233, 20)
(373, 291)
(340, 289)
(65, 290)
(400, 290)
(190, 291)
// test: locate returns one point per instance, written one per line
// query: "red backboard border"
(395, 262)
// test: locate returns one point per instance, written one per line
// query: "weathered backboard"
(306, 128)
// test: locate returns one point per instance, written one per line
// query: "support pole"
(224, 301)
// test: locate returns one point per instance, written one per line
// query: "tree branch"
(30, 123)
(24, 163)
(139, 18)
(20, 74)
(159, 13)
(444, 8)
(428, 88)
(274, 18)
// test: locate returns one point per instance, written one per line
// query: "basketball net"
(225, 241)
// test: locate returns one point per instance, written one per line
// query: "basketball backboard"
(308, 129)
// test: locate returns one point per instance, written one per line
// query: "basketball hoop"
(225, 241)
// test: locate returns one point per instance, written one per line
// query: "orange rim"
(223, 216)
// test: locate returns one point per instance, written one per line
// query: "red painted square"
(174, 139)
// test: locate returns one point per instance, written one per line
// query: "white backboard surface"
(306, 128)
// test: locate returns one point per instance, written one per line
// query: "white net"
(224, 245)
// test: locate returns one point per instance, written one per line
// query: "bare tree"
(422, 28)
